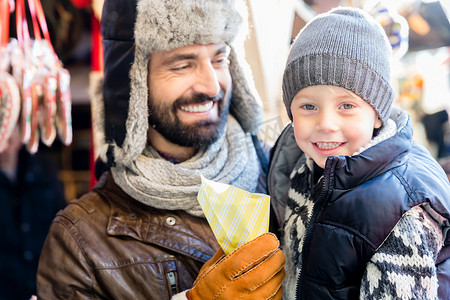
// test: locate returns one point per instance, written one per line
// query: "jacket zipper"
(172, 282)
(317, 210)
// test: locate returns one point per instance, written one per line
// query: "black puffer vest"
(361, 200)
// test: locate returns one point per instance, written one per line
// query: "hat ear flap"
(98, 112)
(136, 124)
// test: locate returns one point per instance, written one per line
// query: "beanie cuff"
(338, 71)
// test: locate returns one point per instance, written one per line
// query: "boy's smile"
(331, 121)
(327, 148)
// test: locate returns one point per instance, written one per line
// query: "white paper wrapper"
(235, 215)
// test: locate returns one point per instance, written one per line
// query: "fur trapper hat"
(132, 30)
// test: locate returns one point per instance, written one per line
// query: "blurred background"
(40, 176)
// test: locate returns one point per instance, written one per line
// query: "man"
(189, 111)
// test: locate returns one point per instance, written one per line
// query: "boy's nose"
(326, 122)
(206, 81)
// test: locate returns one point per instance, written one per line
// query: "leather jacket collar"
(131, 218)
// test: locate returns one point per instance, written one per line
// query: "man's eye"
(180, 67)
(221, 61)
(309, 107)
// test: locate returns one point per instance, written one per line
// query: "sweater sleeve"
(403, 267)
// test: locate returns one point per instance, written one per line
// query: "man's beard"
(163, 118)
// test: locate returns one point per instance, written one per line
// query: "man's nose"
(206, 80)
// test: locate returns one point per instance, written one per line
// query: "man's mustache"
(198, 98)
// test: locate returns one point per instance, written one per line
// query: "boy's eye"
(309, 107)
(347, 106)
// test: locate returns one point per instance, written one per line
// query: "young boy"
(365, 208)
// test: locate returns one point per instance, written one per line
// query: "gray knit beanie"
(344, 47)
(162, 25)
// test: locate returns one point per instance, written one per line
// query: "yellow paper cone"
(235, 215)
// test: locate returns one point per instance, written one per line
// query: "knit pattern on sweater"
(298, 213)
(404, 265)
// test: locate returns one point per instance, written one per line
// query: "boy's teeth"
(197, 107)
(328, 146)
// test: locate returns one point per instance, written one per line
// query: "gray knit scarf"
(161, 184)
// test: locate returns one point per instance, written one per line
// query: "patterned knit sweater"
(403, 267)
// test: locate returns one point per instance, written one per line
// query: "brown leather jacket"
(131, 252)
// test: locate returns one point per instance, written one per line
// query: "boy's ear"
(378, 123)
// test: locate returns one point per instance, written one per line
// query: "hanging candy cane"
(59, 98)
(64, 104)
(44, 83)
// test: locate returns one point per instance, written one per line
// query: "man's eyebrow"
(179, 57)
(224, 49)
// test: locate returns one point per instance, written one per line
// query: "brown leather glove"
(254, 271)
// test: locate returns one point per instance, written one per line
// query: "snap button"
(170, 221)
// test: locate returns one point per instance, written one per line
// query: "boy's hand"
(253, 271)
